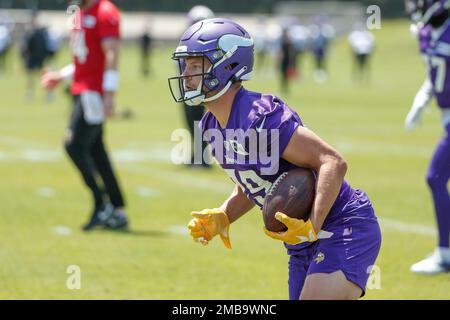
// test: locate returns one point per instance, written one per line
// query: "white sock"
(444, 253)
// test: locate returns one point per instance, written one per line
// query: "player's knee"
(435, 180)
(68, 137)
(311, 293)
(317, 293)
(330, 286)
(72, 148)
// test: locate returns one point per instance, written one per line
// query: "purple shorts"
(353, 247)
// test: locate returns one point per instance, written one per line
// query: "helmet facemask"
(178, 87)
(208, 82)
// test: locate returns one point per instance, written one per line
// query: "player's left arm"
(111, 48)
(306, 149)
(108, 31)
(420, 103)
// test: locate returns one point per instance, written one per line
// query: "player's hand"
(50, 79)
(298, 230)
(109, 103)
(208, 223)
(414, 118)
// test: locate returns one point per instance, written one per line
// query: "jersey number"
(79, 47)
(250, 178)
(441, 66)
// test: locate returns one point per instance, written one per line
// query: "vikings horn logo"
(320, 257)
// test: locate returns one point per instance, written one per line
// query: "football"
(292, 194)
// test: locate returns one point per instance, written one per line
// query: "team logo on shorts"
(320, 258)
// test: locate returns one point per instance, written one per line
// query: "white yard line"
(62, 231)
(403, 227)
(389, 149)
(190, 180)
(131, 158)
(146, 192)
(46, 192)
(178, 229)
(15, 141)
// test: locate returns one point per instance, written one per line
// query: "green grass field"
(43, 201)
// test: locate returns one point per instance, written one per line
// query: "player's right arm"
(208, 223)
(237, 204)
(421, 101)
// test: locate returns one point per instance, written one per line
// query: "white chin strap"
(201, 98)
(197, 100)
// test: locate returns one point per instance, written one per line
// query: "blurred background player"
(34, 52)
(193, 114)
(261, 44)
(54, 40)
(286, 60)
(300, 39)
(321, 35)
(95, 43)
(433, 19)
(146, 46)
(53, 44)
(5, 45)
(362, 43)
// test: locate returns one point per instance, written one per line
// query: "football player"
(432, 19)
(286, 60)
(5, 45)
(362, 43)
(95, 43)
(322, 33)
(332, 253)
(34, 53)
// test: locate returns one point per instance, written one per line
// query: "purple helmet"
(425, 11)
(229, 49)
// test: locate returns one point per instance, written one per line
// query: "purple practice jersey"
(435, 46)
(249, 148)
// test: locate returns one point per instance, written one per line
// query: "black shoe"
(117, 220)
(94, 222)
(99, 217)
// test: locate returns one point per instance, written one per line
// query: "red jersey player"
(95, 44)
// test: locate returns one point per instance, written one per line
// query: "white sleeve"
(67, 72)
(424, 95)
(421, 101)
